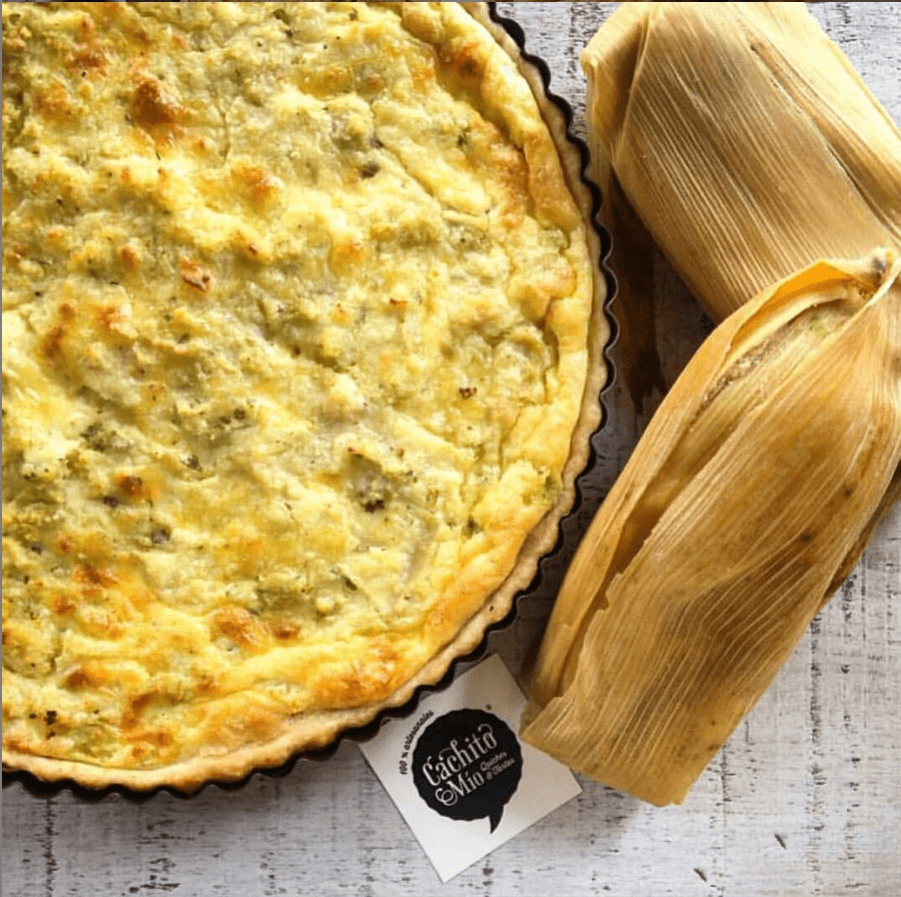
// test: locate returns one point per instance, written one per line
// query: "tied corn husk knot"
(749, 497)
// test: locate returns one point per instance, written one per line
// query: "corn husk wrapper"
(742, 140)
(749, 497)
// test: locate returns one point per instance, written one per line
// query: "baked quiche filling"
(295, 321)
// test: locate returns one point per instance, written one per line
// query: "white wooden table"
(804, 800)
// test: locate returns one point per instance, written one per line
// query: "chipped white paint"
(804, 800)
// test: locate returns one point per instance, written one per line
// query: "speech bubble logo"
(467, 765)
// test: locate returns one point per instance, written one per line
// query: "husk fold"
(749, 497)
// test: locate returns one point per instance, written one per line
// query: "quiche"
(301, 354)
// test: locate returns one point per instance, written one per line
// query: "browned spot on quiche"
(155, 107)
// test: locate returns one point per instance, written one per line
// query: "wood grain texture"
(804, 800)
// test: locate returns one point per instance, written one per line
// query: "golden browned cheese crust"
(295, 321)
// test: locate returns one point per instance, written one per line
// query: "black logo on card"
(467, 764)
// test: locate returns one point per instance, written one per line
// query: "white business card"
(459, 774)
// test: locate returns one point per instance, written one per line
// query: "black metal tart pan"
(566, 532)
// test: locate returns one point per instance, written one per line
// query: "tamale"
(751, 492)
(745, 141)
